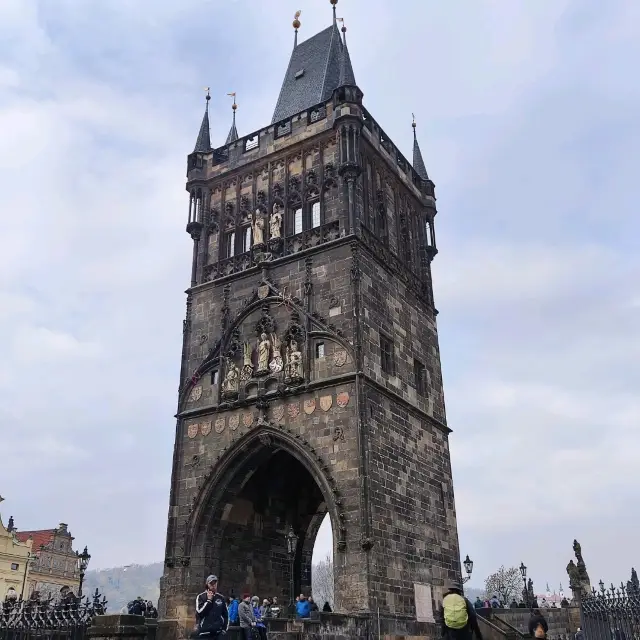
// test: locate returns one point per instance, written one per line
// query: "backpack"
(455, 611)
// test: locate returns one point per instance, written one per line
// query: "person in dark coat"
(471, 628)
(327, 607)
(537, 619)
(212, 616)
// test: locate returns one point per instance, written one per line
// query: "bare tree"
(505, 583)
(322, 581)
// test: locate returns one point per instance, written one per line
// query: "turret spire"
(203, 143)
(233, 132)
(418, 162)
(347, 77)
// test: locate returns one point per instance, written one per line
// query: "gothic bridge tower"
(310, 380)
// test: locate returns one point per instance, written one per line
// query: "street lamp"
(468, 567)
(525, 591)
(292, 545)
(82, 561)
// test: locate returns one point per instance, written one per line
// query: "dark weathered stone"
(356, 436)
(118, 627)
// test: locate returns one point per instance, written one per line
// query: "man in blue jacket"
(211, 612)
(303, 608)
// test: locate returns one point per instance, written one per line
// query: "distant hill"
(120, 585)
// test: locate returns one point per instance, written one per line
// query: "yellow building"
(15, 561)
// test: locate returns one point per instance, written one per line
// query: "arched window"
(247, 239)
(230, 244)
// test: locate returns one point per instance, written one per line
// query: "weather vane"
(296, 19)
(234, 106)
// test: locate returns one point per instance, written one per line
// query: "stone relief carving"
(247, 365)
(231, 382)
(264, 351)
(276, 363)
(275, 222)
(294, 369)
(257, 224)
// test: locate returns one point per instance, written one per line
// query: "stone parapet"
(120, 627)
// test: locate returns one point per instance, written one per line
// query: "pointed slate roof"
(347, 77)
(418, 162)
(233, 132)
(203, 143)
(312, 75)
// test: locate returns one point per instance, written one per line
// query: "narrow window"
(247, 239)
(420, 377)
(386, 356)
(315, 214)
(297, 221)
(231, 244)
(427, 228)
(214, 377)
(14, 566)
(319, 349)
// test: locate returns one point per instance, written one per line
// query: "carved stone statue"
(231, 382)
(264, 351)
(578, 577)
(276, 363)
(275, 222)
(247, 366)
(257, 224)
(294, 370)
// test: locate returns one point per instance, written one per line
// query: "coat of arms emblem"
(342, 399)
(247, 419)
(219, 425)
(326, 402)
(196, 394)
(293, 410)
(340, 358)
(309, 406)
(278, 413)
(234, 422)
(192, 430)
(263, 291)
(205, 428)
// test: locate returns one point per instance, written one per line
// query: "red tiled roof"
(42, 537)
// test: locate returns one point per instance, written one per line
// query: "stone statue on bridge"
(578, 577)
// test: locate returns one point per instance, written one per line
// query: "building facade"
(15, 559)
(55, 564)
(310, 379)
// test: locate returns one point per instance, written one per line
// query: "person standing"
(212, 616)
(457, 615)
(538, 626)
(247, 617)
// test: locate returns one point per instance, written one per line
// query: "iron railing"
(49, 620)
(611, 614)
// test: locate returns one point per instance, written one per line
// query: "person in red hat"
(247, 617)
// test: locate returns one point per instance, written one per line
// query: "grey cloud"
(529, 129)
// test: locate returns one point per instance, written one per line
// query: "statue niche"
(264, 352)
(276, 363)
(247, 365)
(294, 370)
(257, 225)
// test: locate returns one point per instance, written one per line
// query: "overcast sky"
(528, 117)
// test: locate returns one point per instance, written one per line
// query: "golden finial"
(234, 106)
(296, 20)
(334, 2)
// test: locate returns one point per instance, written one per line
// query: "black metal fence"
(611, 614)
(49, 620)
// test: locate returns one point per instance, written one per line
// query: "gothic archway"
(266, 484)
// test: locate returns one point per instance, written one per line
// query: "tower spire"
(296, 26)
(233, 132)
(203, 143)
(418, 162)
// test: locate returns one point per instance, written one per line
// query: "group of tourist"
(66, 599)
(495, 603)
(140, 607)
(214, 613)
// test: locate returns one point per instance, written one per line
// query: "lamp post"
(525, 591)
(82, 561)
(292, 545)
(31, 559)
(468, 567)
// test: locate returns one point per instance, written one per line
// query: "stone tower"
(310, 378)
